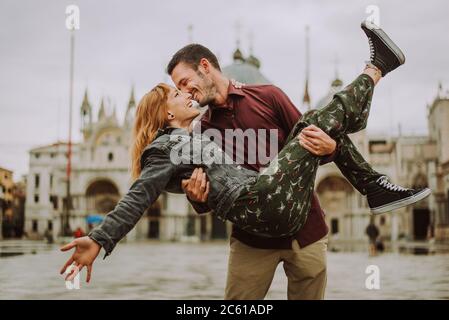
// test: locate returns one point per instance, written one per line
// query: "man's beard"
(209, 91)
(208, 98)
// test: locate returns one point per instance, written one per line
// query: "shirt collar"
(233, 92)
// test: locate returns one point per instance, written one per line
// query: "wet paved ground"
(154, 270)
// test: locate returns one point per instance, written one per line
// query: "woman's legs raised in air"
(277, 204)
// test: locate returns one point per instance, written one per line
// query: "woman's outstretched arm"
(156, 173)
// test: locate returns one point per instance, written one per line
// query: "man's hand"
(86, 251)
(197, 187)
(316, 141)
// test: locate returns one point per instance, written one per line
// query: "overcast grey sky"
(121, 43)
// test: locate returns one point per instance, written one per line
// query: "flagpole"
(66, 220)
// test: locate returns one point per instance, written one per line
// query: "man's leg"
(250, 271)
(306, 270)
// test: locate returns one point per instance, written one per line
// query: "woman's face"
(180, 107)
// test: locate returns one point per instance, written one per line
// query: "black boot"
(384, 196)
(385, 54)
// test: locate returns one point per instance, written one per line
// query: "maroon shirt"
(263, 107)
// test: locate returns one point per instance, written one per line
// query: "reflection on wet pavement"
(155, 270)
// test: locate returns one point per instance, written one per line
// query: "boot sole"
(386, 41)
(402, 203)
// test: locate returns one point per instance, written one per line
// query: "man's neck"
(222, 85)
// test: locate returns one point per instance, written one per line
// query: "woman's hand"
(316, 141)
(86, 251)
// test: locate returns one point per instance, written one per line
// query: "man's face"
(196, 82)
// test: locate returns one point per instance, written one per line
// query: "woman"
(274, 203)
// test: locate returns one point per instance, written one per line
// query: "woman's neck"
(187, 125)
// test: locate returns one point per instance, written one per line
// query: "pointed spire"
(252, 59)
(114, 113)
(238, 29)
(132, 100)
(85, 99)
(336, 65)
(306, 99)
(86, 115)
(85, 105)
(251, 40)
(237, 56)
(102, 112)
(190, 33)
(336, 83)
(129, 116)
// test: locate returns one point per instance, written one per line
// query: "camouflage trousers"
(278, 202)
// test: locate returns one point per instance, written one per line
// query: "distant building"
(438, 117)
(6, 197)
(12, 211)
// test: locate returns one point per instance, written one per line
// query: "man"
(253, 260)
(372, 231)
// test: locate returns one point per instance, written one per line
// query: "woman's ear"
(171, 116)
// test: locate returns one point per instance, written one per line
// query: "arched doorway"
(336, 196)
(219, 229)
(154, 216)
(422, 222)
(102, 196)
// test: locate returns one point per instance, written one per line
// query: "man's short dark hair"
(191, 55)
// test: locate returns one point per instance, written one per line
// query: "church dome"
(245, 70)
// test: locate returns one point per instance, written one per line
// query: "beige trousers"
(251, 271)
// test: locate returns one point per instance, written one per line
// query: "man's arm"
(197, 190)
(156, 173)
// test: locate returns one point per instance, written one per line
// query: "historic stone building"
(12, 205)
(438, 117)
(6, 196)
